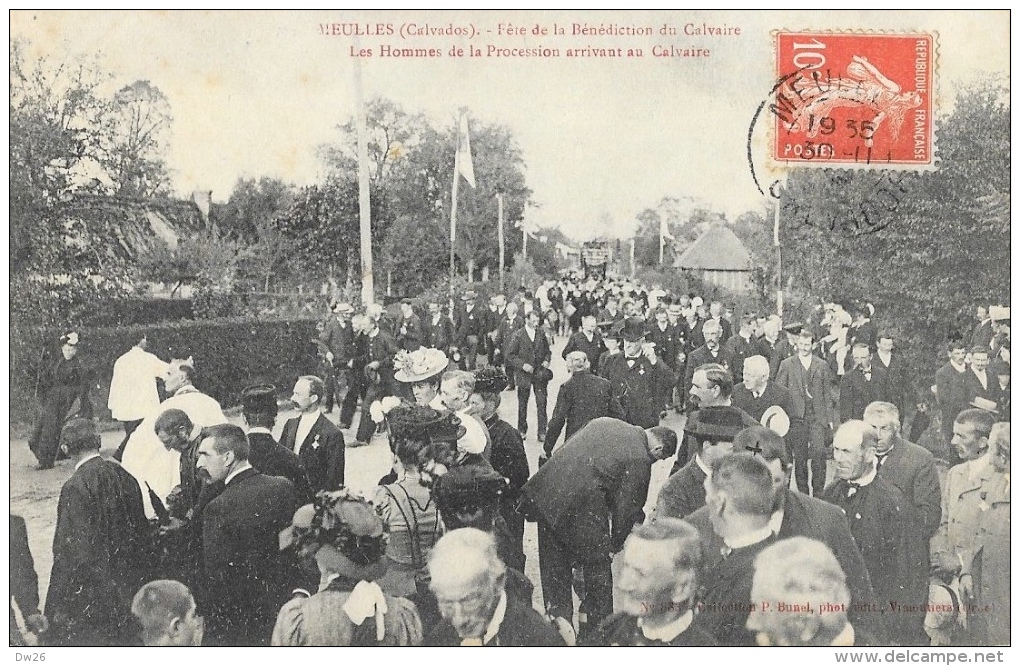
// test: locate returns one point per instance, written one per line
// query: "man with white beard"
(145, 456)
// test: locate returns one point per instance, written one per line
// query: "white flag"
(664, 230)
(464, 165)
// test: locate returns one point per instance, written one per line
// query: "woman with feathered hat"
(347, 538)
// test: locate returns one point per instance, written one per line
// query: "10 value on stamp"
(854, 100)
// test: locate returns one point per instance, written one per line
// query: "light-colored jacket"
(133, 394)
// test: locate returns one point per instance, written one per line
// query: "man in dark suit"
(247, 576)
(529, 354)
(909, 467)
(469, 325)
(683, 348)
(24, 585)
(756, 394)
(709, 433)
(99, 548)
(357, 383)
(741, 346)
(497, 313)
(669, 342)
(581, 398)
(864, 384)
(978, 383)
(469, 582)
(508, 325)
(336, 346)
(711, 386)
(810, 382)
(887, 529)
(181, 542)
(259, 410)
(380, 351)
(981, 334)
(710, 352)
(899, 390)
(666, 336)
(638, 376)
(410, 335)
(715, 313)
(740, 499)
(586, 500)
(313, 438)
(797, 514)
(438, 329)
(587, 340)
(178, 432)
(999, 371)
(951, 388)
(772, 344)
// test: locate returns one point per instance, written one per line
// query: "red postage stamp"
(854, 100)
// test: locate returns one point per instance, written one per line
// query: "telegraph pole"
(364, 198)
(502, 249)
(779, 259)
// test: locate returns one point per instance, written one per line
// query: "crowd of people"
(201, 532)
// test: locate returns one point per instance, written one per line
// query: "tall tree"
(392, 134)
(324, 224)
(253, 215)
(410, 251)
(137, 138)
(52, 110)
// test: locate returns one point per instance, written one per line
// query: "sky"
(255, 93)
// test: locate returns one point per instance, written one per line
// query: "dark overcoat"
(592, 492)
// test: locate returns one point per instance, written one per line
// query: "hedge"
(140, 311)
(229, 354)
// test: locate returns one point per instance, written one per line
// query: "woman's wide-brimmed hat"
(345, 524)
(69, 338)
(422, 423)
(419, 365)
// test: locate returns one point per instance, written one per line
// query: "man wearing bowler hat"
(259, 410)
(710, 431)
(638, 376)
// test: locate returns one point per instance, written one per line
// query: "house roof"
(718, 249)
(135, 225)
